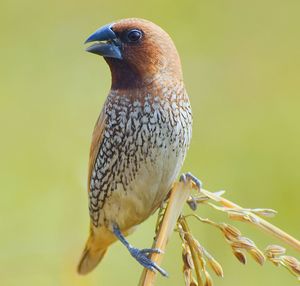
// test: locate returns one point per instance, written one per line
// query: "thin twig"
(179, 194)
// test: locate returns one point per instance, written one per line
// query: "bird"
(140, 138)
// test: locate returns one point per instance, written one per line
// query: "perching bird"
(141, 136)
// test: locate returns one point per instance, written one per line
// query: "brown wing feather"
(96, 142)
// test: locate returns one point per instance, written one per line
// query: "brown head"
(137, 52)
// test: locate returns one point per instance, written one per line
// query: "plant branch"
(257, 221)
(179, 194)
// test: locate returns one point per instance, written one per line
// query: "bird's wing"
(96, 142)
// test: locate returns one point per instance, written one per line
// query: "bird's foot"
(186, 177)
(189, 176)
(192, 203)
(141, 255)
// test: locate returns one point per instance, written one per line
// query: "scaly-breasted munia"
(141, 136)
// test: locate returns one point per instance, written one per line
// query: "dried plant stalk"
(196, 260)
(179, 194)
(257, 221)
(195, 256)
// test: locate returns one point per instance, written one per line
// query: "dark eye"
(134, 35)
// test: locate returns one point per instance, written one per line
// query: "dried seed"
(187, 277)
(274, 250)
(265, 212)
(290, 261)
(187, 258)
(200, 252)
(230, 230)
(198, 246)
(241, 244)
(208, 280)
(229, 238)
(237, 216)
(257, 255)
(247, 242)
(296, 270)
(240, 256)
(216, 266)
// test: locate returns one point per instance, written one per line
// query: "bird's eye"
(134, 35)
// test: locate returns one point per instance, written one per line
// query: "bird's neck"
(161, 90)
(126, 76)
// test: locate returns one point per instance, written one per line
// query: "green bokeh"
(241, 62)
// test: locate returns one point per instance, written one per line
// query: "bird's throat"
(124, 75)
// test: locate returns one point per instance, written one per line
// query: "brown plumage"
(141, 136)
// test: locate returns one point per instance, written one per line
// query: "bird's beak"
(110, 48)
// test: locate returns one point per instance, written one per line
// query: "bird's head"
(137, 51)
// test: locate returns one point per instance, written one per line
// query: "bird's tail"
(91, 256)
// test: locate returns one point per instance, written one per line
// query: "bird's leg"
(140, 254)
(189, 176)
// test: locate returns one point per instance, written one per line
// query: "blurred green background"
(241, 62)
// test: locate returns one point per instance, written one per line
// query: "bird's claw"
(192, 203)
(190, 177)
(194, 179)
(151, 250)
(141, 256)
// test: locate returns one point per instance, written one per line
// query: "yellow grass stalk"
(179, 194)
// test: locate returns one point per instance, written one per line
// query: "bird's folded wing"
(96, 143)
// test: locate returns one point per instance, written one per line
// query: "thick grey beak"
(109, 49)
